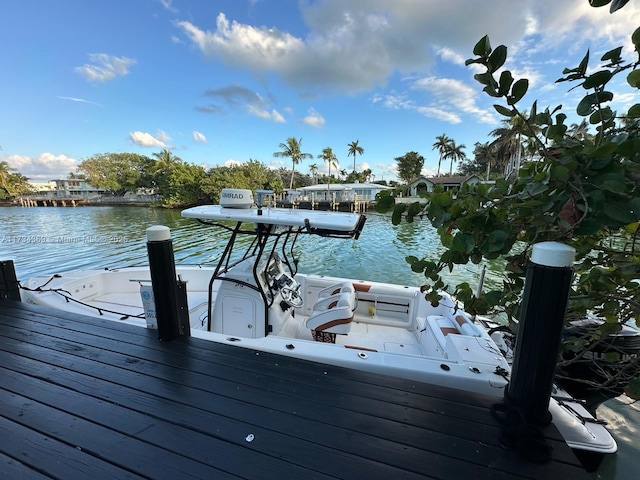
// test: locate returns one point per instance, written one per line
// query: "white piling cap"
(158, 233)
(553, 254)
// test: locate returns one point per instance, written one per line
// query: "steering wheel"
(292, 297)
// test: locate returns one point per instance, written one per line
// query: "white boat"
(255, 298)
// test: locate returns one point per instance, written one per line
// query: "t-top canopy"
(327, 222)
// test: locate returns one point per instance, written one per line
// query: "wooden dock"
(86, 398)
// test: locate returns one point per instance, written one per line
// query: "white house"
(341, 192)
(427, 184)
(76, 188)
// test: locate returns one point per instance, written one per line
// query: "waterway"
(47, 240)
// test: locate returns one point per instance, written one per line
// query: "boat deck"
(82, 397)
(381, 338)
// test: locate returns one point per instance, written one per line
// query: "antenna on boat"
(481, 281)
(480, 286)
(260, 196)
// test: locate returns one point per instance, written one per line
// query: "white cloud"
(449, 99)
(272, 115)
(79, 100)
(144, 139)
(199, 137)
(439, 114)
(240, 44)
(451, 56)
(105, 67)
(313, 119)
(44, 167)
(355, 45)
(446, 99)
(167, 4)
(232, 163)
(393, 101)
(236, 96)
(323, 168)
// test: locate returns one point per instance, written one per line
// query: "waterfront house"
(427, 184)
(341, 192)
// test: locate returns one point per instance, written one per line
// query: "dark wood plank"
(39, 452)
(118, 391)
(11, 468)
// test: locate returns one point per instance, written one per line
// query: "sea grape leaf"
(633, 78)
(518, 91)
(483, 47)
(504, 111)
(497, 58)
(463, 242)
(597, 79)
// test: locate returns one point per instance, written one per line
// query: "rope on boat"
(69, 298)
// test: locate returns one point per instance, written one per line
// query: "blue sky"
(220, 81)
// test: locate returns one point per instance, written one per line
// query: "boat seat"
(342, 287)
(441, 327)
(329, 296)
(466, 326)
(332, 315)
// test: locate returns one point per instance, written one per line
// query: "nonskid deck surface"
(381, 338)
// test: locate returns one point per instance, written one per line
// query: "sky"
(224, 81)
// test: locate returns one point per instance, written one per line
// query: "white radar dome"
(236, 198)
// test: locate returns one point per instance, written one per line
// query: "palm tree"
(509, 143)
(314, 172)
(484, 155)
(454, 153)
(329, 157)
(165, 160)
(291, 149)
(354, 149)
(579, 131)
(441, 145)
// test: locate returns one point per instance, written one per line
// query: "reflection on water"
(47, 240)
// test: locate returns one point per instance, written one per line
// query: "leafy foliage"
(252, 175)
(12, 183)
(115, 172)
(583, 191)
(409, 166)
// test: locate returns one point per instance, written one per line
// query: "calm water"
(48, 240)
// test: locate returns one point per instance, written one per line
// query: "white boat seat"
(466, 326)
(342, 287)
(328, 297)
(333, 316)
(441, 327)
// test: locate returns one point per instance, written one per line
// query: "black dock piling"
(9, 289)
(170, 294)
(544, 304)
